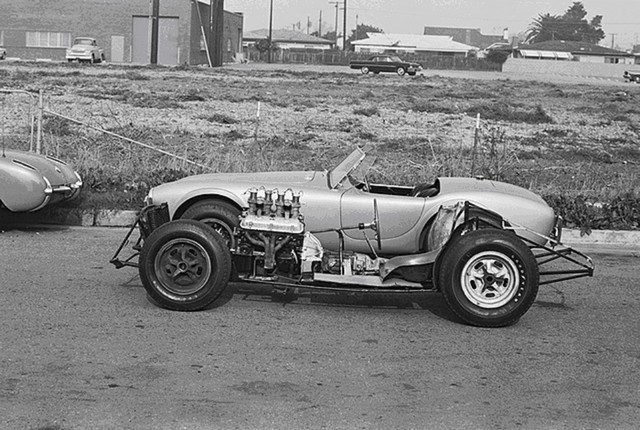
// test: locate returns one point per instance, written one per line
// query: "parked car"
(479, 242)
(29, 182)
(3, 53)
(85, 49)
(632, 76)
(386, 63)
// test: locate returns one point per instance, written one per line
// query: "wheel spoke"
(490, 279)
(186, 267)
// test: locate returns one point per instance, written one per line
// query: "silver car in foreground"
(480, 242)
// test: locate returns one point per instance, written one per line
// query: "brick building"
(43, 29)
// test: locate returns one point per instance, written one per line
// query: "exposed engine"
(271, 241)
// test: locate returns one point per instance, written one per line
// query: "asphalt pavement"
(83, 348)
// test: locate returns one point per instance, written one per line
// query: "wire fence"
(19, 112)
(23, 113)
(336, 57)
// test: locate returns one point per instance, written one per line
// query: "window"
(229, 45)
(48, 39)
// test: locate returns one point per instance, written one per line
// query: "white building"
(412, 43)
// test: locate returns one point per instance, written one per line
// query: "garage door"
(168, 52)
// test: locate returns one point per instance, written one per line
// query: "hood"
(257, 179)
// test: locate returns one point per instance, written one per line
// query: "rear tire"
(488, 277)
(184, 265)
(364, 70)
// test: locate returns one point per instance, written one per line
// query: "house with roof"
(412, 44)
(573, 51)
(286, 39)
(468, 36)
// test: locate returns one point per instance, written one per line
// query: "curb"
(618, 238)
(125, 218)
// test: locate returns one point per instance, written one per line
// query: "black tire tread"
(494, 237)
(207, 237)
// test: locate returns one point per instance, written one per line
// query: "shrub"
(367, 111)
(497, 57)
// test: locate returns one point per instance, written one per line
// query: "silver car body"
(29, 181)
(341, 198)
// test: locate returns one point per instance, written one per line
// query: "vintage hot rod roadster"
(481, 243)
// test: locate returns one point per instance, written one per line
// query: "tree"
(330, 35)
(360, 32)
(572, 26)
(263, 45)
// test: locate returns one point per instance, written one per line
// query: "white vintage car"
(480, 242)
(29, 182)
(85, 49)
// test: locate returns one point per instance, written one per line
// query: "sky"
(620, 22)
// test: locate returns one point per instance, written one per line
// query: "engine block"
(271, 229)
(273, 211)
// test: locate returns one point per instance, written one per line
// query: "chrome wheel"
(183, 266)
(490, 279)
(222, 228)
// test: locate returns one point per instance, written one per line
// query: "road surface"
(82, 347)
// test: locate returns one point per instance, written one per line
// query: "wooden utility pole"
(216, 31)
(344, 27)
(270, 31)
(154, 17)
(320, 25)
(337, 3)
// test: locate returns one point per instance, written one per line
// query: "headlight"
(148, 200)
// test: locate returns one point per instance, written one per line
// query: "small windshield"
(83, 42)
(356, 166)
(395, 59)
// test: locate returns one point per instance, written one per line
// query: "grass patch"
(367, 111)
(426, 131)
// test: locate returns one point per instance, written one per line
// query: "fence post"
(39, 128)
(476, 137)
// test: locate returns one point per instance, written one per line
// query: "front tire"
(219, 215)
(184, 265)
(401, 71)
(488, 277)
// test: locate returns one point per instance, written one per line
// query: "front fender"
(181, 205)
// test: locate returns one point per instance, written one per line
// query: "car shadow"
(56, 216)
(24, 227)
(430, 301)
